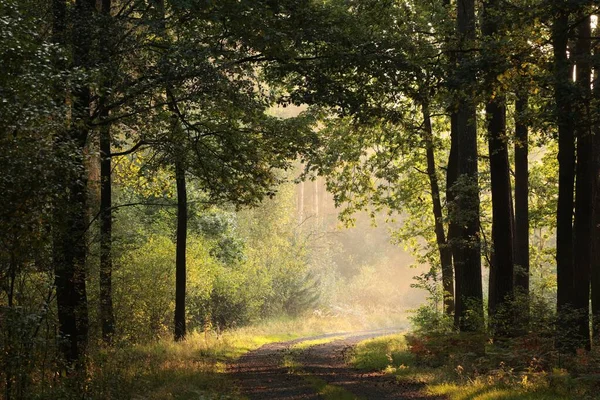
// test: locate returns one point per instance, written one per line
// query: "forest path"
(287, 371)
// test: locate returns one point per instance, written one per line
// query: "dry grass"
(391, 354)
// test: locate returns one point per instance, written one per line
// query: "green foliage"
(428, 318)
(238, 270)
(380, 353)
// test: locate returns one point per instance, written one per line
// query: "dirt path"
(261, 374)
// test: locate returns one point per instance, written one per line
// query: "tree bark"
(585, 180)
(70, 214)
(566, 177)
(469, 305)
(107, 319)
(179, 164)
(521, 240)
(106, 304)
(595, 267)
(443, 248)
(502, 277)
(180, 264)
(451, 178)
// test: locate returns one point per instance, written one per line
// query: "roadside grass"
(329, 392)
(191, 369)
(393, 355)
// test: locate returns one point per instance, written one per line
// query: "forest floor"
(318, 368)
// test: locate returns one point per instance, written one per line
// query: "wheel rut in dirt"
(321, 373)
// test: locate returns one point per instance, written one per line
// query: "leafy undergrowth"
(444, 368)
(191, 369)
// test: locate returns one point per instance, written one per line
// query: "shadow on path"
(260, 374)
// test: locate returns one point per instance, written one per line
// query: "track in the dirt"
(261, 374)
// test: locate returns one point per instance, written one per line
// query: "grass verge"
(392, 355)
(192, 369)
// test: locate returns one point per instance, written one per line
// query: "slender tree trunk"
(502, 240)
(452, 239)
(106, 304)
(566, 177)
(179, 163)
(451, 177)
(521, 241)
(501, 286)
(584, 194)
(69, 238)
(443, 248)
(76, 241)
(469, 305)
(107, 318)
(180, 264)
(595, 267)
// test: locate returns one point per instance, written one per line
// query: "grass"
(391, 354)
(192, 369)
(482, 391)
(330, 392)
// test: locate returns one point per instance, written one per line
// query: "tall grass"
(393, 355)
(193, 368)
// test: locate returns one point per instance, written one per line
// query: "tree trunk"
(469, 305)
(180, 265)
(179, 162)
(107, 318)
(69, 244)
(451, 178)
(443, 248)
(566, 177)
(595, 267)
(521, 247)
(502, 276)
(584, 186)
(106, 304)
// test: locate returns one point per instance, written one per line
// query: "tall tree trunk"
(452, 239)
(107, 318)
(106, 304)
(469, 305)
(566, 177)
(584, 185)
(595, 267)
(502, 278)
(521, 247)
(451, 177)
(69, 239)
(443, 248)
(179, 163)
(180, 264)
